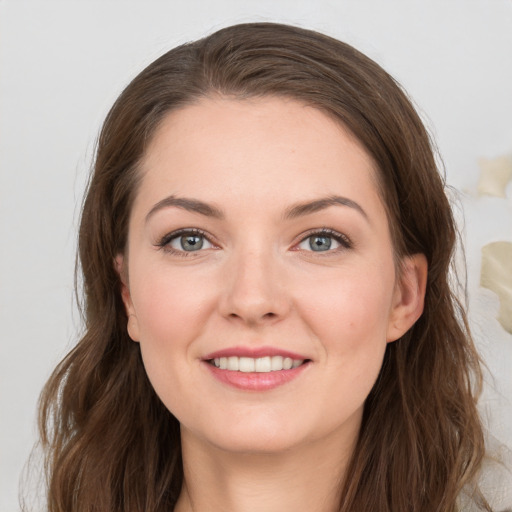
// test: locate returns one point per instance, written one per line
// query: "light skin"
(290, 249)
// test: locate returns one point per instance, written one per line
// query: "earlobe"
(409, 296)
(133, 328)
(132, 325)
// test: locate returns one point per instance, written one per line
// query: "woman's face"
(258, 241)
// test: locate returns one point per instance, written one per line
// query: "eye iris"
(191, 242)
(320, 243)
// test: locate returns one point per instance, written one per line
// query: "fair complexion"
(258, 231)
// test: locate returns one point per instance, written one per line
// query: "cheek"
(168, 305)
(171, 310)
(348, 306)
(349, 316)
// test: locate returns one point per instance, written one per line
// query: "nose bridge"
(254, 290)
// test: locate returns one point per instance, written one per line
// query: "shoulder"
(495, 481)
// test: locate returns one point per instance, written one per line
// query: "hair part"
(110, 442)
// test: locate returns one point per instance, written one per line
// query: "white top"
(495, 481)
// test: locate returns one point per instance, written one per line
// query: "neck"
(306, 479)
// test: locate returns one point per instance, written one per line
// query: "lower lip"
(255, 381)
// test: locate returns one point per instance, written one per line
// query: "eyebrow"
(297, 210)
(191, 205)
(317, 205)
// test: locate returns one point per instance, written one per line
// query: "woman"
(265, 246)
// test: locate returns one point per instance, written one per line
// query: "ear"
(408, 296)
(133, 325)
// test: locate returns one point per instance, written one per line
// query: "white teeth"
(277, 363)
(260, 365)
(233, 363)
(246, 364)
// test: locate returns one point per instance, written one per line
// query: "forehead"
(227, 148)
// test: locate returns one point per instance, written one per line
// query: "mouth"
(256, 369)
(264, 364)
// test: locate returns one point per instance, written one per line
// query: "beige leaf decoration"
(494, 176)
(496, 275)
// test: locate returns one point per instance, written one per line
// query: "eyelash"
(164, 242)
(342, 239)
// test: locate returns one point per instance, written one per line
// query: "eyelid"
(341, 238)
(164, 242)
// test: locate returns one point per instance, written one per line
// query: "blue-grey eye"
(190, 242)
(319, 243)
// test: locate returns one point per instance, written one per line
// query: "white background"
(62, 64)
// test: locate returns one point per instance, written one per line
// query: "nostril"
(254, 318)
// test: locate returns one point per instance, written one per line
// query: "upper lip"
(253, 352)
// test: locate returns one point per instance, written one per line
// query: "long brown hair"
(112, 445)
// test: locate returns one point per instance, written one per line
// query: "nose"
(254, 291)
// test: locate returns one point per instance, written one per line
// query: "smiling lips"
(255, 369)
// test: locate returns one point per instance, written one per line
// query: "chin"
(257, 444)
(263, 436)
